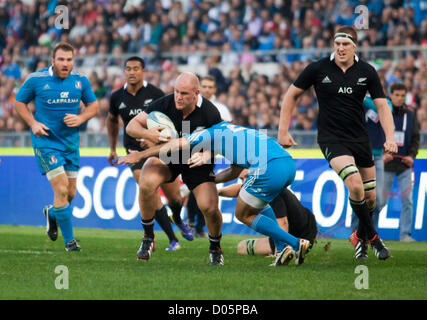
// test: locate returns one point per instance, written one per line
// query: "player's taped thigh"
(251, 200)
(71, 174)
(347, 171)
(60, 170)
(55, 172)
(369, 185)
(250, 245)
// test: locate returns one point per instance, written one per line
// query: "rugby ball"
(159, 119)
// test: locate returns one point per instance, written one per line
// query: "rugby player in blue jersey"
(271, 169)
(57, 92)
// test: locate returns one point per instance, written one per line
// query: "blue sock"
(62, 216)
(268, 212)
(269, 227)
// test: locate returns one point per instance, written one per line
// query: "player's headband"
(342, 35)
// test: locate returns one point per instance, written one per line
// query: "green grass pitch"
(107, 268)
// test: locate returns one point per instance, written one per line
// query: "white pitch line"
(25, 252)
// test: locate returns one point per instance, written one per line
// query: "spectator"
(422, 115)
(234, 27)
(10, 68)
(401, 164)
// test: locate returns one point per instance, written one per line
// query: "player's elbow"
(91, 110)
(17, 105)
(96, 107)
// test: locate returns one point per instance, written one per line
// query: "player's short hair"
(209, 78)
(64, 46)
(349, 30)
(397, 86)
(135, 58)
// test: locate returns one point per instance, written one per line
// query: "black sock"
(193, 211)
(176, 211)
(365, 229)
(148, 227)
(215, 242)
(191, 205)
(163, 220)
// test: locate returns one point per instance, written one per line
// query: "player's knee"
(209, 211)
(174, 198)
(371, 200)
(242, 217)
(147, 186)
(355, 187)
(71, 195)
(61, 192)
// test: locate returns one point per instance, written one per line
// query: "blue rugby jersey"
(243, 147)
(53, 98)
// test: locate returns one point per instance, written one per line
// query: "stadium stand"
(255, 49)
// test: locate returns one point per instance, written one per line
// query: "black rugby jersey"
(205, 114)
(128, 106)
(340, 96)
(301, 220)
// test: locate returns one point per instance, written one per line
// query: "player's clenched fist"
(286, 140)
(72, 120)
(390, 147)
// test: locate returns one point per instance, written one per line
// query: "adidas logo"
(326, 80)
(46, 87)
(122, 106)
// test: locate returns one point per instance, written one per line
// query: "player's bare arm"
(200, 158)
(113, 134)
(157, 150)
(387, 123)
(74, 120)
(288, 105)
(38, 128)
(231, 191)
(231, 173)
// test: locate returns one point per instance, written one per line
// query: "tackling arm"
(231, 191)
(157, 150)
(231, 173)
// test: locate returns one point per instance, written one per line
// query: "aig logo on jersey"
(134, 112)
(347, 90)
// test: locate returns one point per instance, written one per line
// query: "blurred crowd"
(216, 33)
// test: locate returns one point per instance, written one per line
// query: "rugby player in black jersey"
(189, 112)
(291, 216)
(341, 82)
(126, 103)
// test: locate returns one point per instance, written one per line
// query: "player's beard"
(60, 72)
